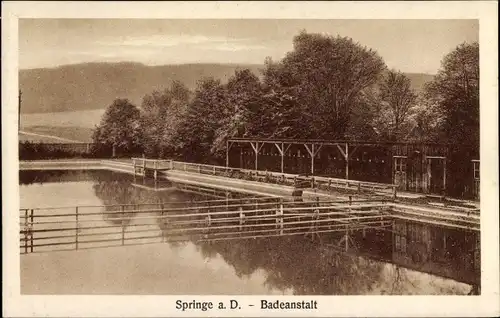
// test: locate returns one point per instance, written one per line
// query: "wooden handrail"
(363, 184)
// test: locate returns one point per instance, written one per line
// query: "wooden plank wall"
(373, 163)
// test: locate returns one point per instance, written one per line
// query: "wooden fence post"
(242, 218)
(208, 221)
(26, 227)
(32, 225)
(280, 211)
(350, 203)
(123, 225)
(76, 227)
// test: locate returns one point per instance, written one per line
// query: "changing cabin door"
(399, 172)
(436, 175)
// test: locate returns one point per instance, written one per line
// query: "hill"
(96, 85)
(93, 86)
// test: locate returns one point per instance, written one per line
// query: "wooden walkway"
(156, 167)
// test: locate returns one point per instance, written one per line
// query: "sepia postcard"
(250, 159)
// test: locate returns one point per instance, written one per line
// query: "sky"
(415, 46)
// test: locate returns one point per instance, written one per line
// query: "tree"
(196, 134)
(397, 100)
(455, 93)
(242, 105)
(153, 113)
(426, 122)
(325, 76)
(161, 114)
(119, 128)
(363, 117)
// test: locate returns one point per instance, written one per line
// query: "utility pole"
(19, 118)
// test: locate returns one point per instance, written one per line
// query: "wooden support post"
(282, 154)
(256, 150)
(347, 161)
(311, 154)
(444, 177)
(227, 153)
(428, 186)
(282, 157)
(257, 156)
(241, 158)
(144, 167)
(76, 227)
(345, 153)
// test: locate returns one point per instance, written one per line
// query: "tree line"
(324, 88)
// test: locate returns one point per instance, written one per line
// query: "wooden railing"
(323, 183)
(92, 226)
(156, 164)
(45, 229)
(464, 219)
(139, 165)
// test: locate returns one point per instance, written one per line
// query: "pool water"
(290, 265)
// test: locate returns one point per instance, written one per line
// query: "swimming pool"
(281, 265)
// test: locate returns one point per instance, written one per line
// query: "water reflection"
(310, 268)
(27, 177)
(379, 262)
(304, 267)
